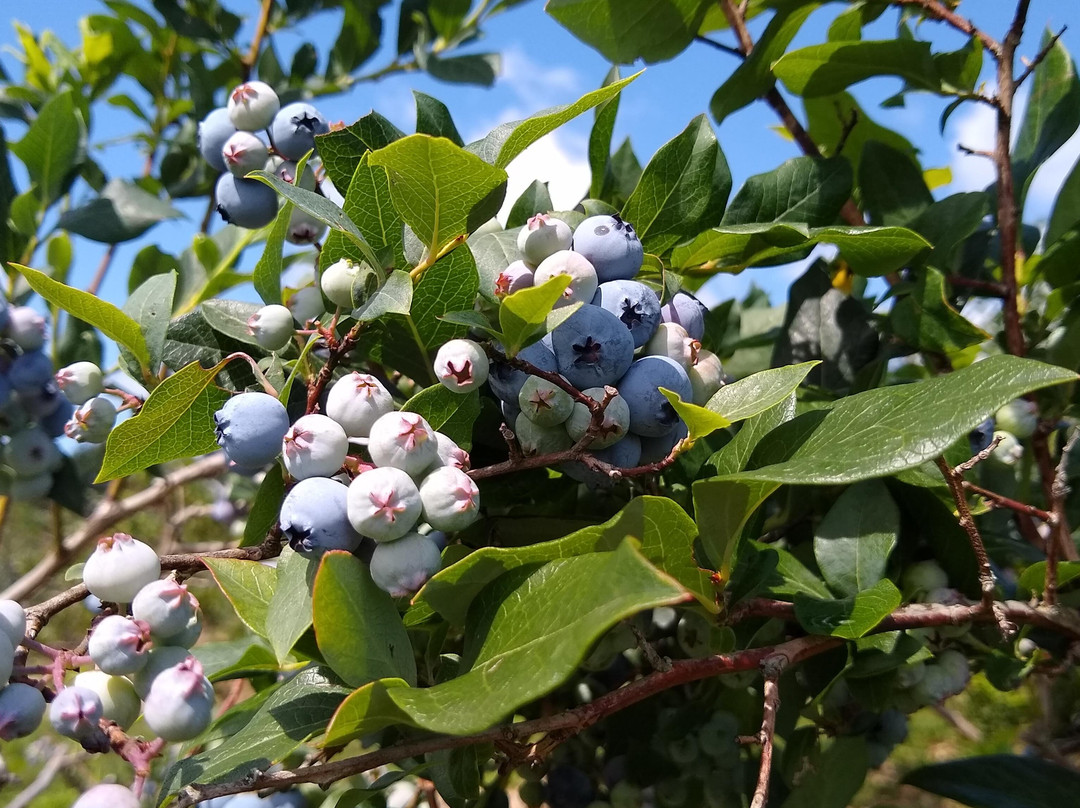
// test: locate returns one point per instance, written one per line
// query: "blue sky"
(544, 65)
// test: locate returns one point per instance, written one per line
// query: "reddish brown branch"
(988, 288)
(939, 11)
(996, 500)
(1029, 67)
(771, 668)
(338, 351)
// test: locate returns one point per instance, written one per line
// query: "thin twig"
(996, 500)
(1029, 67)
(1059, 490)
(940, 11)
(338, 352)
(988, 288)
(980, 456)
(772, 667)
(248, 62)
(720, 46)
(103, 266)
(59, 761)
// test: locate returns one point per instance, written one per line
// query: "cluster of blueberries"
(229, 142)
(620, 337)
(402, 498)
(39, 404)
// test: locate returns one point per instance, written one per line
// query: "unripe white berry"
(461, 365)
(356, 401)
(403, 440)
(118, 645)
(92, 422)
(81, 381)
(272, 327)
(165, 606)
(306, 305)
(384, 503)
(584, 283)
(119, 701)
(542, 236)
(545, 403)
(706, 376)
(450, 499)
(107, 795)
(339, 281)
(12, 621)
(180, 702)
(450, 454)
(243, 153)
(672, 341)
(252, 106)
(314, 446)
(119, 567)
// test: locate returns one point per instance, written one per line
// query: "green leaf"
(999, 781)
(699, 420)
(805, 189)
(732, 456)
(263, 513)
(289, 613)
(754, 77)
(151, 307)
(357, 625)
(433, 118)
(1066, 212)
(748, 397)
(1051, 116)
(721, 509)
(1033, 579)
(523, 314)
(833, 66)
(887, 430)
(450, 284)
(947, 223)
(395, 296)
(441, 191)
(342, 149)
(850, 617)
(853, 542)
(892, 186)
(600, 137)
(629, 30)
(175, 422)
(529, 630)
(236, 659)
(493, 252)
(925, 320)
(267, 273)
(959, 69)
(835, 120)
(507, 141)
(248, 585)
(122, 212)
(53, 147)
(296, 711)
(366, 710)
(833, 776)
(368, 205)
(665, 531)
(230, 317)
(534, 199)
(105, 317)
(683, 189)
(453, 414)
(469, 68)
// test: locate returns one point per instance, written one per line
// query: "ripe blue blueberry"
(450, 499)
(542, 236)
(656, 449)
(21, 709)
(160, 658)
(294, 128)
(611, 245)
(30, 370)
(118, 645)
(81, 381)
(651, 415)
(403, 440)
(75, 712)
(592, 347)
(119, 701)
(180, 702)
(243, 153)
(583, 281)
(250, 428)
(245, 203)
(12, 621)
(92, 422)
(314, 446)
(356, 401)
(545, 403)
(506, 382)
(461, 365)
(687, 311)
(107, 795)
(634, 303)
(272, 326)
(24, 489)
(981, 436)
(401, 567)
(615, 424)
(314, 517)
(26, 328)
(624, 454)
(119, 567)
(165, 606)
(515, 277)
(540, 440)
(384, 503)
(31, 452)
(213, 131)
(252, 106)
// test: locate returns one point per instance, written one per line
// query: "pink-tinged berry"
(119, 701)
(243, 153)
(272, 327)
(107, 795)
(81, 381)
(401, 567)
(119, 567)
(315, 446)
(542, 236)
(672, 340)
(514, 278)
(252, 106)
(92, 422)
(450, 454)
(75, 713)
(450, 498)
(356, 401)
(180, 702)
(583, 283)
(118, 644)
(165, 606)
(461, 365)
(403, 440)
(384, 503)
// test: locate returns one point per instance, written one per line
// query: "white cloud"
(537, 85)
(556, 159)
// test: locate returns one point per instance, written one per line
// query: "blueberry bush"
(511, 516)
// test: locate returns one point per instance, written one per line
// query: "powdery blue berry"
(26, 489)
(245, 203)
(542, 236)
(7, 658)
(250, 428)
(545, 403)
(514, 278)
(189, 635)
(160, 658)
(356, 401)
(687, 311)
(92, 422)
(118, 645)
(506, 382)
(314, 446)
(180, 702)
(450, 498)
(252, 106)
(30, 370)
(213, 131)
(12, 621)
(26, 328)
(294, 128)
(583, 282)
(119, 567)
(272, 326)
(461, 365)
(81, 381)
(651, 415)
(611, 245)
(592, 347)
(384, 503)
(634, 303)
(612, 429)
(401, 567)
(403, 440)
(165, 606)
(119, 701)
(31, 452)
(75, 712)
(706, 376)
(21, 709)
(107, 795)
(314, 517)
(624, 454)
(243, 153)
(672, 340)
(656, 449)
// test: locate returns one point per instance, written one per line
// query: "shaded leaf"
(850, 617)
(999, 781)
(248, 585)
(853, 542)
